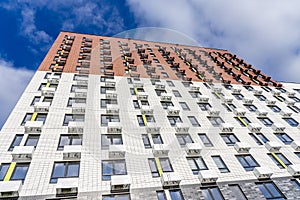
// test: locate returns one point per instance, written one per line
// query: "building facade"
(114, 118)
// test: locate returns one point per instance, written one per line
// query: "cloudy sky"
(264, 33)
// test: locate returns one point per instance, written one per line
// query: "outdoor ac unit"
(117, 151)
(146, 110)
(261, 112)
(227, 99)
(78, 108)
(239, 112)
(173, 111)
(120, 183)
(166, 97)
(181, 128)
(53, 79)
(208, 176)
(285, 114)
(22, 152)
(142, 96)
(270, 102)
(80, 93)
(41, 106)
(10, 189)
(114, 127)
(273, 146)
(160, 150)
(247, 101)
(203, 99)
(254, 127)
(194, 88)
(112, 109)
(294, 170)
(82, 82)
(111, 95)
(110, 83)
(226, 127)
(213, 113)
(236, 90)
(33, 126)
(72, 152)
(170, 179)
(289, 103)
(75, 127)
(160, 86)
(278, 128)
(48, 91)
(296, 145)
(262, 172)
(242, 147)
(67, 186)
(290, 94)
(257, 92)
(193, 148)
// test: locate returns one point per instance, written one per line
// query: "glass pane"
(64, 140)
(16, 142)
(176, 195)
(206, 194)
(122, 197)
(165, 165)
(273, 190)
(107, 168)
(264, 191)
(157, 139)
(3, 170)
(161, 195)
(32, 140)
(59, 170)
(76, 140)
(73, 170)
(20, 172)
(216, 193)
(200, 163)
(120, 167)
(237, 192)
(152, 165)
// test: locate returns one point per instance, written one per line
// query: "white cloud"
(264, 33)
(13, 82)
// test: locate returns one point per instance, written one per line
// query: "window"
(16, 142)
(64, 170)
(284, 138)
(229, 106)
(220, 164)
(164, 75)
(205, 140)
(116, 197)
(165, 104)
(296, 99)
(297, 154)
(280, 160)
(280, 98)
(35, 99)
(251, 108)
(109, 118)
(184, 106)
(157, 139)
(204, 106)
(294, 108)
(237, 192)
(243, 121)
(270, 191)
(20, 171)
(261, 97)
(73, 118)
(266, 121)
(249, 88)
(144, 119)
(274, 108)
(296, 183)
(259, 138)
(34, 117)
(174, 119)
(212, 193)
(113, 139)
(230, 139)
(76, 87)
(146, 141)
(291, 121)
(104, 78)
(32, 140)
(247, 161)
(156, 60)
(195, 94)
(3, 170)
(196, 164)
(176, 195)
(113, 167)
(227, 86)
(164, 164)
(215, 121)
(176, 93)
(161, 195)
(193, 121)
(183, 139)
(69, 140)
(238, 96)
(105, 102)
(158, 92)
(136, 104)
(44, 85)
(103, 89)
(75, 100)
(160, 67)
(170, 83)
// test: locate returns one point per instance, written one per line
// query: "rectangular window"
(212, 193)
(144, 119)
(194, 121)
(176, 195)
(184, 106)
(32, 140)
(35, 99)
(230, 139)
(255, 138)
(116, 197)
(174, 119)
(204, 106)
(296, 183)
(238, 96)
(34, 117)
(157, 139)
(164, 75)
(170, 83)
(196, 164)
(283, 137)
(261, 97)
(73, 118)
(251, 108)
(16, 142)
(113, 139)
(280, 160)
(296, 99)
(75, 100)
(3, 170)
(73, 139)
(215, 121)
(247, 161)
(109, 118)
(146, 141)
(159, 92)
(243, 121)
(163, 163)
(166, 104)
(237, 192)
(176, 93)
(266, 121)
(113, 167)
(291, 121)
(220, 164)
(270, 191)
(195, 94)
(274, 108)
(161, 195)
(64, 170)
(103, 89)
(229, 106)
(19, 172)
(294, 108)
(205, 140)
(183, 139)
(105, 102)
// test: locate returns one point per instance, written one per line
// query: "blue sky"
(264, 33)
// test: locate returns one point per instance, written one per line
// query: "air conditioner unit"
(138, 84)
(181, 128)
(48, 91)
(10, 189)
(254, 127)
(75, 127)
(273, 146)
(216, 89)
(173, 111)
(78, 108)
(120, 183)
(213, 113)
(194, 88)
(67, 187)
(239, 112)
(160, 86)
(111, 95)
(166, 97)
(41, 106)
(270, 102)
(275, 92)
(33, 126)
(110, 83)
(207, 176)
(22, 152)
(80, 93)
(226, 127)
(117, 151)
(247, 101)
(262, 172)
(112, 109)
(142, 96)
(193, 148)
(294, 170)
(152, 129)
(72, 152)
(226, 99)
(114, 127)
(290, 94)
(146, 110)
(257, 92)
(296, 145)
(82, 82)
(203, 99)
(235, 90)
(289, 103)
(261, 112)
(53, 79)
(278, 128)
(160, 150)
(170, 179)
(285, 114)
(242, 147)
